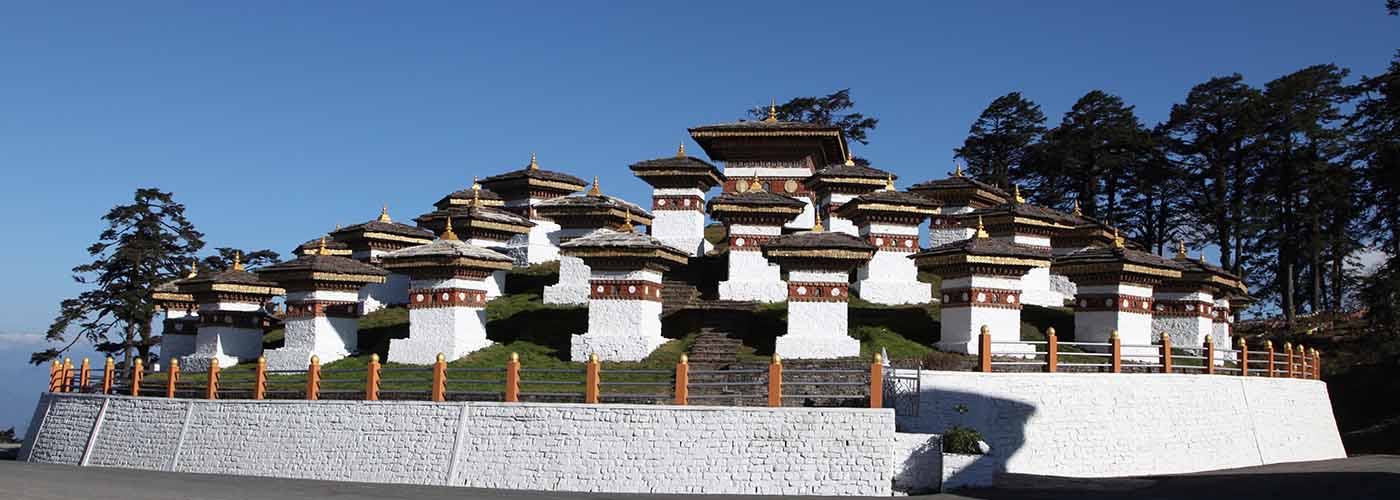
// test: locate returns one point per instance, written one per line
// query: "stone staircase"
(677, 295)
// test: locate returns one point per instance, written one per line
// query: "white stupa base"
(798, 346)
(572, 287)
(1036, 289)
(175, 346)
(614, 347)
(452, 331)
(960, 328)
(392, 292)
(329, 339)
(495, 285)
(755, 291)
(1134, 331)
(228, 344)
(620, 330)
(895, 292)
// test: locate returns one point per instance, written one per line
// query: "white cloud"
(15, 339)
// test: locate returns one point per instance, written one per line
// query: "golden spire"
(322, 249)
(981, 230)
(889, 182)
(533, 164)
(1117, 240)
(627, 223)
(1181, 250)
(447, 233)
(194, 269)
(772, 112)
(594, 191)
(384, 214)
(680, 151)
(817, 226)
(1077, 211)
(237, 260)
(850, 161)
(957, 169)
(1202, 259)
(1016, 193)
(755, 186)
(476, 192)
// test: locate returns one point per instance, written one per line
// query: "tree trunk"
(1315, 300)
(1288, 310)
(128, 350)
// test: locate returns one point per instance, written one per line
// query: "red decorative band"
(1183, 309)
(996, 298)
(678, 202)
(624, 290)
(893, 242)
(431, 298)
(188, 325)
(809, 291)
(944, 222)
(1222, 314)
(747, 242)
(235, 319)
(323, 308)
(791, 186)
(1113, 302)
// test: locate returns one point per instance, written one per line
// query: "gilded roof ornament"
(237, 260)
(772, 112)
(447, 233)
(476, 193)
(534, 165)
(756, 186)
(194, 269)
(889, 182)
(850, 161)
(1077, 211)
(981, 230)
(322, 249)
(817, 226)
(957, 169)
(1117, 240)
(1202, 258)
(595, 191)
(1016, 193)
(627, 222)
(1181, 250)
(384, 214)
(680, 151)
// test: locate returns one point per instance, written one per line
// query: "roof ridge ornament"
(384, 214)
(534, 165)
(756, 186)
(889, 182)
(680, 151)
(322, 249)
(817, 226)
(594, 191)
(194, 268)
(237, 260)
(957, 168)
(447, 233)
(981, 230)
(1016, 193)
(1117, 240)
(476, 193)
(1077, 212)
(1181, 250)
(772, 111)
(627, 221)
(850, 160)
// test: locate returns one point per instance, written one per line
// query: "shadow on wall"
(942, 410)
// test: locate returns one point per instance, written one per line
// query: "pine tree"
(145, 243)
(830, 109)
(225, 256)
(1374, 130)
(1089, 155)
(1001, 139)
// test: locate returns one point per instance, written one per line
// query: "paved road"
(1366, 477)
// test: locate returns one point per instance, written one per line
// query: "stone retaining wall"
(600, 448)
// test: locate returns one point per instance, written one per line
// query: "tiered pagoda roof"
(233, 283)
(1117, 263)
(1085, 232)
(771, 139)
(981, 254)
(889, 205)
(447, 257)
(167, 294)
(818, 249)
(960, 190)
(382, 233)
(848, 178)
(533, 181)
(755, 206)
(332, 247)
(623, 249)
(1199, 274)
(679, 171)
(471, 196)
(1015, 216)
(322, 270)
(592, 209)
(476, 219)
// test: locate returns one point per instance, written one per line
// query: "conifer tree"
(1001, 139)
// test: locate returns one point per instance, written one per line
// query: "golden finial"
(981, 230)
(1050, 332)
(1077, 212)
(1202, 258)
(772, 111)
(1269, 344)
(194, 269)
(1117, 240)
(817, 226)
(315, 360)
(533, 164)
(262, 360)
(237, 260)
(756, 186)
(627, 223)
(595, 191)
(850, 160)
(957, 169)
(985, 330)
(1016, 193)
(889, 182)
(322, 249)
(1113, 334)
(447, 233)
(680, 151)
(1240, 342)
(1181, 250)
(384, 214)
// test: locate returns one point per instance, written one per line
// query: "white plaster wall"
(1032, 240)
(752, 277)
(748, 172)
(817, 276)
(682, 229)
(808, 218)
(1104, 425)
(918, 461)
(175, 345)
(1134, 329)
(228, 344)
(1221, 332)
(841, 225)
(572, 287)
(996, 282)
(1187, 331)
(336, 295)
(329, 339)
(887, 228)
(1037, 290)
(230, 306)
(543, 242)
(960, 327)
(634, 274)
(619, 330)
(376, 296)
(742, 229)
(891, 278)
(817, 330)
(452, 331)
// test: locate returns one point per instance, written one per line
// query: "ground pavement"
(1376, 476)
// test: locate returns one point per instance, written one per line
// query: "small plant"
(963, 440)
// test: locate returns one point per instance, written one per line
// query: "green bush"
(962, 440)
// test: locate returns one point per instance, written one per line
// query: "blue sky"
(273, 122)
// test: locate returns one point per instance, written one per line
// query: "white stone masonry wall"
(890, 277)
(751, 276)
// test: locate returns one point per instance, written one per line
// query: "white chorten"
(579, 216)
(522, 190)
(478, 219)
(231, 317)
(624, 303)
(181, 323)
(323, 317)
(752, 218)
(889, 220)
(837, 185)
(679, 184)
(371, 240)
(1115, 294)
(818, 264)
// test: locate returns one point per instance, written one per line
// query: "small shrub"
(958, 439)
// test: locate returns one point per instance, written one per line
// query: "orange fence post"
(1244, 357)
(372, 378)
(683, 380)
(1269, 346)
(109, 372)
(1166, 353)
(877, 382)
(313, 379)
(775, 381)
(172, 376)
(1052, 351)
(439, 391)
(83, 378)
(1116, 345)
(55, 376)
(1304, 371)
(211, 387)
(1288, 358)
(513, 378)
(984, 350)
(1210, 356)
(136, 375)
(260, 379)
(67, 374)
(591, 380)
(1317, 364)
